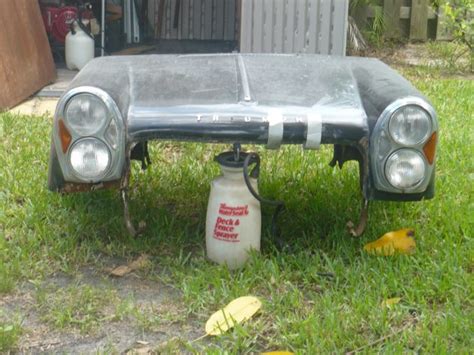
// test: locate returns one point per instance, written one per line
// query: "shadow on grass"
(173, 205)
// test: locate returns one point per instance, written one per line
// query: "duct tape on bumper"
(313, 131)
(275, 129)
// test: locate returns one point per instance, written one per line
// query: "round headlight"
(86, 114)
(405, 169)
(410, 125)
(89, 158)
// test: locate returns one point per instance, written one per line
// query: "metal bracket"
(237, 148)
(126, 206)
(357, 231)
(363, 217)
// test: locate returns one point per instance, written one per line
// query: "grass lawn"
(45, 236)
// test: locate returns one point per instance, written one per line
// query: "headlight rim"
(100, 128)
(378, 157)
(421, 141)
(409, 149)
(97, 177)
(118, 155)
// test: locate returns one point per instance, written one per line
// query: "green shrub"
(459, 17)
(451, 57)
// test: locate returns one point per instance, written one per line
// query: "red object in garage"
(57, 21)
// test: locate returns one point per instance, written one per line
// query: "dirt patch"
(152, 314)
(418, 54)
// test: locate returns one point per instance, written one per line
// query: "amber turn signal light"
(64, 136)
(430, 148)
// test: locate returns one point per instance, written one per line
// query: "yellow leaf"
(237, 311)
(390, 302)
(283, 352)
(400, 241)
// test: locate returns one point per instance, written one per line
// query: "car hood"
(347, 93)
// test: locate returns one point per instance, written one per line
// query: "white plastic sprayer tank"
(233, 224)
(79, 48)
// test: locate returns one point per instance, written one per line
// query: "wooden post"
(419, 20)
(391, 17)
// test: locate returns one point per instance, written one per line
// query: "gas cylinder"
(233, 223)
(79, 48)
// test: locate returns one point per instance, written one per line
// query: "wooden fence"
(412, 19)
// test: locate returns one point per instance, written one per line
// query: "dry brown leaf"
(390, 243)
(120, 271)
(142, 342)
(137, 264)
(237, 311)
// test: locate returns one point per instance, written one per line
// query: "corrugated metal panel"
(294, 26)
(199, 19)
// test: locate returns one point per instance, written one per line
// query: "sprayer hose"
(280, 205)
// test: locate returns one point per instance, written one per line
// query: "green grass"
(79, 306)
(451, 57)
(10, 332)
(43, 233)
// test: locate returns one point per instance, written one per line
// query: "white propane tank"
(233, 223)
(80, 48)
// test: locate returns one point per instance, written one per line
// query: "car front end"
(367, 111)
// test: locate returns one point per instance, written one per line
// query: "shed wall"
(198, 19)
(294, 26)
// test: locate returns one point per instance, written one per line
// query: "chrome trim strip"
(244, 79)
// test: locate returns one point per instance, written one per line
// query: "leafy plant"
(374, 29)
(451, 57)
(459, 17)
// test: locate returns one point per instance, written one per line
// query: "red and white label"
(226, 227)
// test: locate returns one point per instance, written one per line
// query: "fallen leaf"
(389, 302)
(141, 347)
(142, 342)
(137, 264)
(120, 271)
(237, 311)
(400, 241)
